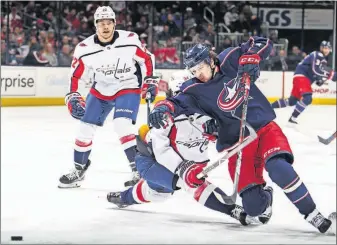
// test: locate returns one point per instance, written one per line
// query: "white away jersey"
(180, 141)
(118, 65)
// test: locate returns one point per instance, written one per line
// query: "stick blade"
(323, 141)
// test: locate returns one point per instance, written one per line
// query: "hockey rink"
(37, 148)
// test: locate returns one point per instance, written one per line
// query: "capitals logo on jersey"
(232, 95)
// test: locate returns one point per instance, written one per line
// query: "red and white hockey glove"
(249, 63)
(76, 104)
(188, 171)
(150, 88)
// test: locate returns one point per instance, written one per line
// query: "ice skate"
(239, 214)
(266, 215)
(134, 180)
(323, 224)
(116, 198)
(292, 121)
(75, 177)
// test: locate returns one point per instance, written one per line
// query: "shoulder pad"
(86, 46)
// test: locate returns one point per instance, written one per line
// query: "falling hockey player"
(117, 64)
(312, 69)
(162, 161)
(217, 91)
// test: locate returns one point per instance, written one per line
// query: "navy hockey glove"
(210, 130)
(150, 88)
(188, 171)
(249, 63)
(161, 113)
(76, 104)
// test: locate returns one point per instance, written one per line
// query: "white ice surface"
(37, 148)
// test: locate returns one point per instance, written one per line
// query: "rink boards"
(41, 86)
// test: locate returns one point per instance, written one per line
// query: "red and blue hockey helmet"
(197, 54)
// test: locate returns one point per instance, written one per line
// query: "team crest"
(232, 95)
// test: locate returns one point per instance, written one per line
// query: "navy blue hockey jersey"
(221, 99)
(314, 67)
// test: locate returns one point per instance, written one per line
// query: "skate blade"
(69, 186)
(332, 218)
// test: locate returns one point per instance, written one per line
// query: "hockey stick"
(328, 140)
(148, 105)
(231, 199)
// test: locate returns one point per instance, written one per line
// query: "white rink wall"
(22, 86)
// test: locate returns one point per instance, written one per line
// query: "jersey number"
(74, 64)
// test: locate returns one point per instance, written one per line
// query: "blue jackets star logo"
(232, 95)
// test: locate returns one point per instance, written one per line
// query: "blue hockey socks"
(81, 152)
(284, 175)
(302, 104)
(281, 103)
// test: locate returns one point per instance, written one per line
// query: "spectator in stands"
(3, 52)
(35, 58)
(278, 62)
(189, 19)
(51, 37)
(21, 50)
(49, 54)
(33, 43)
(74, 42)
(165, 34)
(51, 22)
(158, 53)
(171, 55)
(173, 28)
(64, 57)
(39, 25)
(65, 40)
(14, 18)
(72, 18)
(241, 24)
(84, 31)
(294, 58)
(273, 36)
(208, 35)
(231, 17)
(3, 32)
(226, 43)
(254, 22)
(141, 25)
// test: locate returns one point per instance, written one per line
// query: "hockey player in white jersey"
(117, 65)
(167, 156)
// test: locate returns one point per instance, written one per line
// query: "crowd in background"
(46, 33)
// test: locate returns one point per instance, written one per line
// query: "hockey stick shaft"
(328, 140)
(148, 105)
(246, 79)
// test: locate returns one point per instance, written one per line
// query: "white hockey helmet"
(177, 79)
(104, 12)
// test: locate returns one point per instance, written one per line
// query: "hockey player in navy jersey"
(216, 91)
(121, 70)
(311, 70)
(162, 156)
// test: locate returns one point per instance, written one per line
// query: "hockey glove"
(210, 130)
(160, 115)
(150, 88)
(76, 104)
(188, 171)
(249, 63)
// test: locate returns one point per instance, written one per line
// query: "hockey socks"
(281, 103)
(284, 175)
(301, 105)
(210, 196)
(81, 152)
